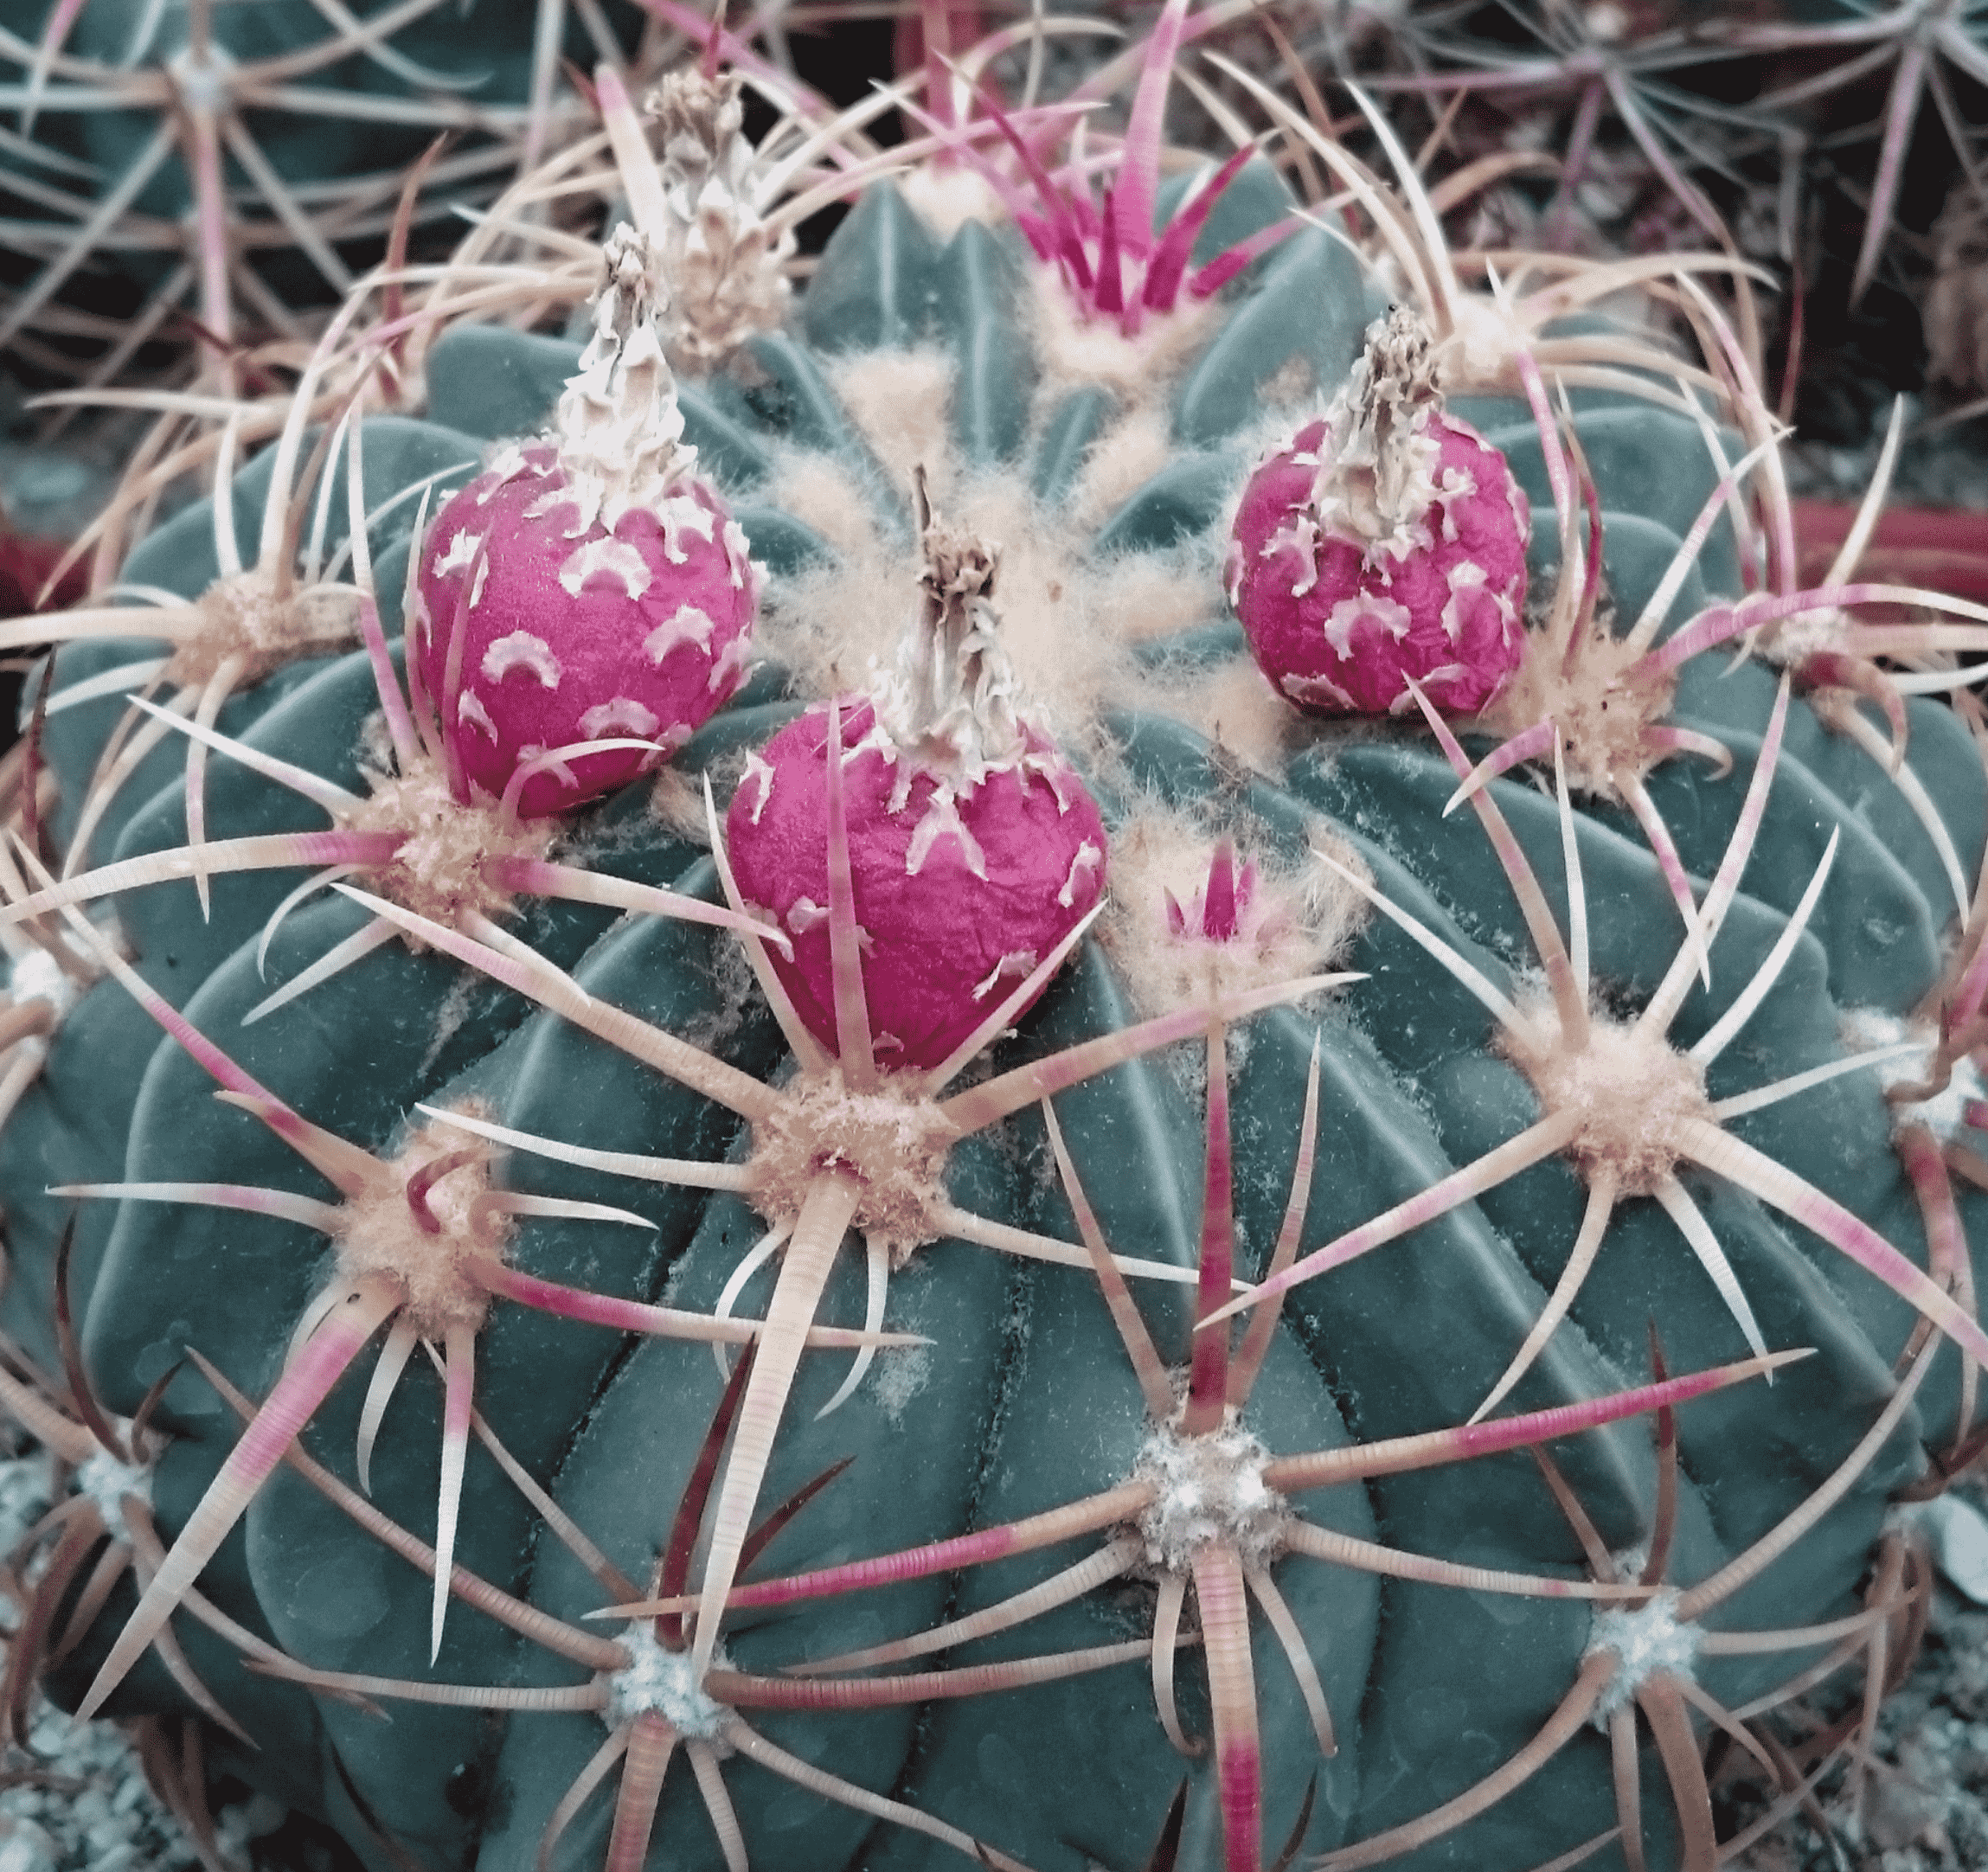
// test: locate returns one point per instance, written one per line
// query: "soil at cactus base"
(1924, 1807)
(88, 1807)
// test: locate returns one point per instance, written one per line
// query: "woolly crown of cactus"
(1378, 1340)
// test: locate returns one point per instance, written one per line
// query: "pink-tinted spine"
(1232, 1700)
(1212, 278)
(288, 1407)
(1168, 267)
(1290, 1474)
(946, 1556)
(1208, 1374)
(652, 1742)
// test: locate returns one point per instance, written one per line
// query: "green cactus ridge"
(1097, 1531)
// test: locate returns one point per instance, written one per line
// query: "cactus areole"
(588, 586)
(974, 846)
(1383, 543)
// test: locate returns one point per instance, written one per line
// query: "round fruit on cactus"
(1384, 544)
(590, 585)
(974, 849)
(1207, 1417)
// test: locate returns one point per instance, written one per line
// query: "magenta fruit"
(589, 587)
(974, 846)
(1384, 544)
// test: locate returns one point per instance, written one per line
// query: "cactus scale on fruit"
(1024, 1250)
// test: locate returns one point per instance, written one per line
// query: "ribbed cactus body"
(1024, 1400)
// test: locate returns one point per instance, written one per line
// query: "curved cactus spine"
(1145, 1508)
(889, 1191)
(1390, 531)
(1665, 1120)
(441, 1289)
(110, 1517)
(1625, 1663)
(385, 837)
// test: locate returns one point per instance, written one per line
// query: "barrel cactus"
(1278, 1288)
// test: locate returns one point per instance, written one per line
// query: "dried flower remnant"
(724, 259)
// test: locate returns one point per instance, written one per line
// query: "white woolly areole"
(35, 975)
(1645, 1640)
(1604, 702)
(892, 1145)
(947, 199)
(107, 1483)
(1944, 1114)
(1635, 1094)
(425, 1220)
(447, 857)
(1807, 633)
(1075, 346)
(245, 616)
(1211, 1490)
(660, 1682)
(618, 430)
(1479, 353)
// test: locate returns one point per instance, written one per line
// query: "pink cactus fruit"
(974, 848)
(1384, 542)
(587, 586)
